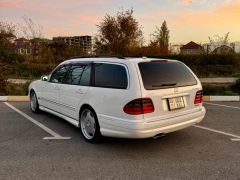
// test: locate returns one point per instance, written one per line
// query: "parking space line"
(233, 107)
(234, 137)
(49, 131)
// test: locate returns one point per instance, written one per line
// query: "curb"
(14, 98)
(221, 98)
(205, 98)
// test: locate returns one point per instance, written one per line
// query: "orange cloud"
(88, 19)
(228, 15)
(9, 4)
(57, 32)
(185, 2)
(185, 24)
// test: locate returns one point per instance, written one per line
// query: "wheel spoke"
(88, 115)
(88, 124)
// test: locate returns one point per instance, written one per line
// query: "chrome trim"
(175, 95)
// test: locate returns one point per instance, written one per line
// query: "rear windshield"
(160, 75)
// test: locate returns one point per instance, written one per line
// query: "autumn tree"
(218, 41)
(7, 33)
(33, 32)
(161, 39)
(118, 34)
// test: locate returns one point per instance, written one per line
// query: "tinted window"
(86, 76)
(110, 76)
(79, 75)
(59, 74)
(74, 75)
(158, 75)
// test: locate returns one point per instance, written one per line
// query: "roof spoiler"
(95, 56)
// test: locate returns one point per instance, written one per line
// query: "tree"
(218, 41)
(161, 38)
(7, 35)
(33, 32)
(118, 34)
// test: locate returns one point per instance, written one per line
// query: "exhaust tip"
(159, 136)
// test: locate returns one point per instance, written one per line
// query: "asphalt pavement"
(210, 150)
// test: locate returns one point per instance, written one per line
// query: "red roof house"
(191, 48)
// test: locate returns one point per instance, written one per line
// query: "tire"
(34, 106)
(89, 125)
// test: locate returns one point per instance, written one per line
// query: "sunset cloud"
(11, 4)
(88, 19)
(185, 2)
(57, 31)
(225, 16)
(186, 19)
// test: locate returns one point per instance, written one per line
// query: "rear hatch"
(170, 85)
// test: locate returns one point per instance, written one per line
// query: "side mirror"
(44, 78)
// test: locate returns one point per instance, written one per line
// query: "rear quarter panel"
(109, 102)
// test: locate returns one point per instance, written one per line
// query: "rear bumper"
(147, 128)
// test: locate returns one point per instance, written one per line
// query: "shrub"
(29, 70)
(236, 86)
(2, 79)
(17, 89)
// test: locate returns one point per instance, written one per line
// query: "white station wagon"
(121, 97)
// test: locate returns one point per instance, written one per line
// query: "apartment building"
(85, 42)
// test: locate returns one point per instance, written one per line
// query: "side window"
(86, 76)
(58, 75)
(74, 75)
(79, 75)
(110, 76)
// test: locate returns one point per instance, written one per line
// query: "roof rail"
(95, 56)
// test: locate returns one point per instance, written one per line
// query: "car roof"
(112, 59)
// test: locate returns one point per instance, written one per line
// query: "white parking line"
(233, 107)
(49, 131)
(234, 137)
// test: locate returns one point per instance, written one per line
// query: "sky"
(187, 20)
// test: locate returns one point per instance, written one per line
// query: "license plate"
(176, 103)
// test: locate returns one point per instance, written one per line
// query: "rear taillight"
(198, 97)
(139, 106)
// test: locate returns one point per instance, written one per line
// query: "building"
(22, 46)
(175, 48)
(191, 48)
(237, 47)
(85, 42)
(224, 49)
(26, 47)
(221, 47)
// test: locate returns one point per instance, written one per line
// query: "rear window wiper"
(161, 85)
